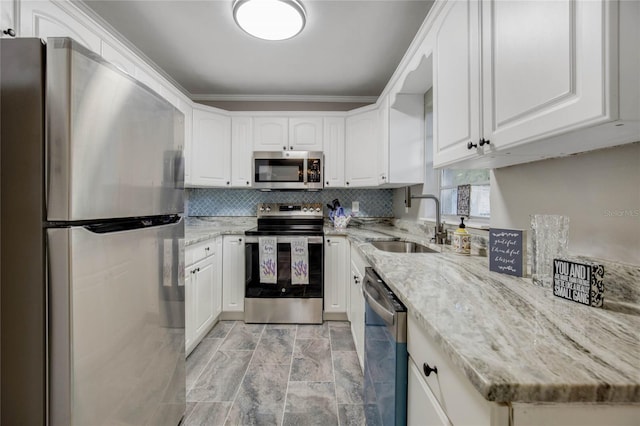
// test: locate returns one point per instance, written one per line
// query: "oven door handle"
(371, 296)
(285, 239)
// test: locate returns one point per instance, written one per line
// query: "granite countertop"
(514, 341)
(199, 229)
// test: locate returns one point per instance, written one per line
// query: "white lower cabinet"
(336, 273)
(203, 291)
(356, 302)
(423, 408)
(233, 276)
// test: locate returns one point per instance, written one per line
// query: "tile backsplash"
(242, 202)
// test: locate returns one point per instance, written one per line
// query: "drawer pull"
(428, 370)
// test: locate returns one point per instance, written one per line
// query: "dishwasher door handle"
(389, 317)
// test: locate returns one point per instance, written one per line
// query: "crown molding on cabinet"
(283, 98)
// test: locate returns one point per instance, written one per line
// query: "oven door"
(284, 288)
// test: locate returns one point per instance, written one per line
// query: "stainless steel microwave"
(287, 170)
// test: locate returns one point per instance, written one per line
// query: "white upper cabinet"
(241, 149)
(45, 19)
(456, 80)
(211, 148)
(361, 149)
(287, 133)
(305, 133)
(270, 133)
(402, 141)
(527, 80)
(334, 152)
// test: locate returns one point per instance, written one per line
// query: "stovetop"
(289, 219)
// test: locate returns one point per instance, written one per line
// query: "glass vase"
(549, 240)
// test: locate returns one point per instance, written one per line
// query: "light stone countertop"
(514, 341)
(199, 229)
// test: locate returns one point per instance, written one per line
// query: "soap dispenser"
(462, 239)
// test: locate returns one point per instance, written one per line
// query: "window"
(450, 179)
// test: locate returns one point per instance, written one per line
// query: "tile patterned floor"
(256, 374)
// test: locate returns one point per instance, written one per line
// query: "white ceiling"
(349, 48)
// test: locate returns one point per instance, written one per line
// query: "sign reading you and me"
(507, 251)
(580, 282)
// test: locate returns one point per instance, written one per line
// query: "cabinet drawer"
(456, 395)
(199, 251)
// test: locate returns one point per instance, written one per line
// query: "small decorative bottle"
(462, 239)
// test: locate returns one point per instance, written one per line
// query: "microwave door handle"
(305, 170)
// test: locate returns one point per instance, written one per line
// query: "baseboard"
(334, 316)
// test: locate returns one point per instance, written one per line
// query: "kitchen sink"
(402, 247)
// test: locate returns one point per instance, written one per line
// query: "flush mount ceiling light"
(270, 19)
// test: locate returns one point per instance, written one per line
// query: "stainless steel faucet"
(440, 235)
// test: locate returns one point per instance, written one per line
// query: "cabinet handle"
(10, 32)
(483, 142)
(428, 370)
(471, 145)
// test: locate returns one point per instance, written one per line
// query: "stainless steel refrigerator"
(92, 242)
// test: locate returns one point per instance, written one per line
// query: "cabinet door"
(336, 274)
(189, 310)
(361, 152)
(118, 58)
(233, 274)
(356, 312)
(44, 19)
(334, 152)
(204, 281)
(186, 108)
(241, 150)
(210, 162)
(7, 17)
(270, 133)
(305, 133)
(546, 66)
(422, 407)
(456, 83)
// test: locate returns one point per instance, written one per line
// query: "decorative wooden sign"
(507, 251)
(580, 282)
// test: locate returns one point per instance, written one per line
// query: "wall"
(242, 202)
(599, 191)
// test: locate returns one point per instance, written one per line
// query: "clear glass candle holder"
(549, 240)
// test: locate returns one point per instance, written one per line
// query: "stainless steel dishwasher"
(385, 353)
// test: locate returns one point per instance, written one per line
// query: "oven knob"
(268, 209)
(317, 209)
(304, 209)
(262, 209)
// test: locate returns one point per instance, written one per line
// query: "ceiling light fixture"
(270, 19)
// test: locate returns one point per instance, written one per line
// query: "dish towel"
(299, 261)
(268, 247)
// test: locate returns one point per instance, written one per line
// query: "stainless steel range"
(285, 265)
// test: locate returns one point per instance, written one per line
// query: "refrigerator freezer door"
(114, 147)
(116, 326)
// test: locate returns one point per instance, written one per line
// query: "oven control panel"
(289, 210)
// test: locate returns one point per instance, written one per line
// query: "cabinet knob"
(428, 370)
(291, 148)
(471, 145)
(247, 182)
(483, 142)
(347, 183)
(327, 183)
(284, 147)
(328, 241)
(383, 177)
(228, 182)
(206, 249)
(240, 239)
(10, 32)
